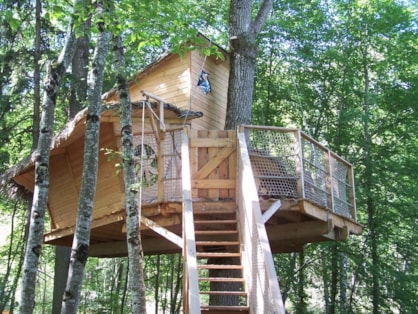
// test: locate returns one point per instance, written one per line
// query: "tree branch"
(262, 13)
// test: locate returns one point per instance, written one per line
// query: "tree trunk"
(36, 75)
(133, 211)
(81, 239)
(243, 32)
(301, 304)
(78, 91)
(77, 99)
(371, 211)
(334, 278)
(40, 195)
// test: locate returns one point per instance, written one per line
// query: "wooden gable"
(174, 78)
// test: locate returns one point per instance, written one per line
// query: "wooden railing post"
(329, 180)
(352, 193)
(299, 164)
(191, 285)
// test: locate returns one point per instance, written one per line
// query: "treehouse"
(226, 199)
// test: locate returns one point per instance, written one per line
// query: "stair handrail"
(191, 300)
(261, 280)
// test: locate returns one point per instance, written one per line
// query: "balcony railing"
(289, 164)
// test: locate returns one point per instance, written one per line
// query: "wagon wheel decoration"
(149, 163)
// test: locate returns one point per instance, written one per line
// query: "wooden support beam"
(99, 222)
(271, 210)
(213, 184)
(322, 214)
(191, 284)
(172, 237)
(212, 142)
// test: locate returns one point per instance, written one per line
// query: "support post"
(191, 285)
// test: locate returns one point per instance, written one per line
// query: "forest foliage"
(345, 72)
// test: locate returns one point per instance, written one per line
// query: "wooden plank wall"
(213, 105)
(66, 172)
(213, 164)
(169, 80)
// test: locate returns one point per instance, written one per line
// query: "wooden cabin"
(226, 199)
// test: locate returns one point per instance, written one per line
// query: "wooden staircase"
(219, 262)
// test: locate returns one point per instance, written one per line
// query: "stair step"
(219, 206)
(217, 243)
(214, 266)
(217, 254)
(224, 308)
(240, 293)
(214, 221)
(221, 279)
(213, 211)
(215, 232)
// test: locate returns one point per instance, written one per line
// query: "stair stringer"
(261, 280)
(191, 299)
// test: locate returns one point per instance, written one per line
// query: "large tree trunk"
(40, 195)
(133, 211)
(81, 239)
(243, 32)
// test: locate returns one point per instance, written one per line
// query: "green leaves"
(13, 22)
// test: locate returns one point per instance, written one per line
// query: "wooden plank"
(189, 248)
(271, 210)
(214, 161)
(232, 164)
(213, 184)
(352, 193)
(202, 155)
(299, 230)
(212, 142)
(253, 229)
(214, 174)
(96, 223)
(223, 170)
(167, 234)
(322, 214)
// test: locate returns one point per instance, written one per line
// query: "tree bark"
(40, 195)
(243, 32)
(81, 239)
(77, 100)
(36, 75)
(78, 91)
(133, 211)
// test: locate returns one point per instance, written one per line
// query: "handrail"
(191, 301)
(260, 275)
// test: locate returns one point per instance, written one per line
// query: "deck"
(226, 200)
(305, 191)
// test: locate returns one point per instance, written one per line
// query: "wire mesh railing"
(160, 166)
(289, 164)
